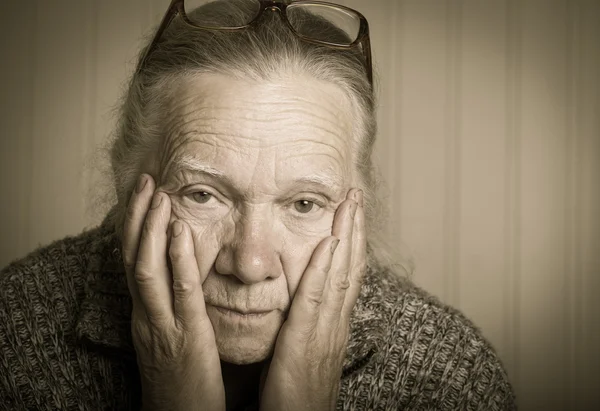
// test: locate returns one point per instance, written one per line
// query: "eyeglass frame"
(363, 38)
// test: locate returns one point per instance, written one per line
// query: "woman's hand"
(306, 368)
(172, 334)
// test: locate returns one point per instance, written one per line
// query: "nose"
(251, 253)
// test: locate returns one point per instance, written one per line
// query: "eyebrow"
(323, 180)
(188, 163)
(184, 163)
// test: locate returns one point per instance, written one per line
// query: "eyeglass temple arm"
(174, 8)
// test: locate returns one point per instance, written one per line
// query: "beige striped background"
(489, 142)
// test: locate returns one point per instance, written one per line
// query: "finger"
(309, 296)
(138, 206)
(151, 273)
(189, 307)
(358, 267)
(338, 282)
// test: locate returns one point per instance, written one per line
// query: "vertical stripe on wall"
(56, 137)
(482, 161)
(393, 136)
(543, 225)
(17, 41)
(588, 127)
(422, 83)
(512, 189)
(572, 269)
(452, 152)
(89, 102)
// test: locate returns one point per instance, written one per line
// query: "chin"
(242, 355)
(245, 341)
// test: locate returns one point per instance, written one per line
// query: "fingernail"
(142, 181)
(358, 197)
(334, 245)
(156, 201)
(177, 228)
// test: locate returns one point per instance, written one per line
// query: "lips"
(243, 311)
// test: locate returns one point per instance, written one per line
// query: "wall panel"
(418, 213)
(16, 107)
(512, 190)
(572, 269)
(586, 332)
(58, 137)
(482, 166)
(543, 229)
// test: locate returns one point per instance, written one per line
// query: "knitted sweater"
(65, 340)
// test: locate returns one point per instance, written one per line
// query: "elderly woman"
(240, 267)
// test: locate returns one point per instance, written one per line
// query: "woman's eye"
(201, 197)
(304, 206)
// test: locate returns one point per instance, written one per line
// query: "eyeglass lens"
(306, 19)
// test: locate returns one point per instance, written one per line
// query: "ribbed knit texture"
(65, 340)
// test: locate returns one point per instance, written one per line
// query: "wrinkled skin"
(257, 178)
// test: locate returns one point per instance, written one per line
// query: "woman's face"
(257, 172)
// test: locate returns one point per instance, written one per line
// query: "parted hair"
(266, 51)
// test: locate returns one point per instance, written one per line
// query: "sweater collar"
(104, 321)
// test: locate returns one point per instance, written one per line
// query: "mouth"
(241, 314)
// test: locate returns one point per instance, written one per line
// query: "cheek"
(302, 237)
(208, 234)
(208, 239)
(307, 227)
(295, 256)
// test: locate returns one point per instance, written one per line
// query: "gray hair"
(266, 51)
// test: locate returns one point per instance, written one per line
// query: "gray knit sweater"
(65, 341)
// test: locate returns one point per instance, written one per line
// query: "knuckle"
(142, 273)
(128, 260)
(314, 299)
(184, 287)
(176, 253)
(157, 321)
(360, 266)
(341, 282)
(318, 268)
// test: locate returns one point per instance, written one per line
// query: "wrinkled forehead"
(301, 123)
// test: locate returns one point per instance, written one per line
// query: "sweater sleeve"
(38, 300)
(460, 369)
(485, 385)
(438, 359)
(19, 361)
(10, 398)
